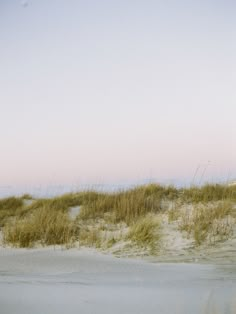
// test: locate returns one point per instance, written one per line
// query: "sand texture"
(48, 281)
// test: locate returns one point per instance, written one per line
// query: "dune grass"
(65, 201)
(10, 203)
(46, 221)
(208, 193)
(146, 232)
(90, 237)
(129, 205)
(45, 226)
(210, 222)
(9, 207)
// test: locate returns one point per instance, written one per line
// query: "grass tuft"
(44, 226)
(208, 222)
(9, 207)
(209, 193)
(129, 205)
(145, 232)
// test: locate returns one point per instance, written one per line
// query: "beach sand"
(53, 280)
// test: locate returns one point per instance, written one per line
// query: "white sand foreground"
(48, 281)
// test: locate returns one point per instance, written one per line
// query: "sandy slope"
(177, 246)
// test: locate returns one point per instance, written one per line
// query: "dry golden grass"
(90, 237)
(11, 203)
(9, 207)
(209, 193)
(129, 205)
(64, 202)
(210, 222)
(173, 214)
(46, 221)
(146, 232)
(44, 226)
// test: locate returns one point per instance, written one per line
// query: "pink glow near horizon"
(100, 94)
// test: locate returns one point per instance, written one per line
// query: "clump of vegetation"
(90, 237)
(99, 233)
(145, 232)
(129, 205)
(9, 207)
(10, 203)
(26, 221)
(209, 193)
(44, 226)
(208, 222)
(173, 214)
(65, 201)
(27, 197)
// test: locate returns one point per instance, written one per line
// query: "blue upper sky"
(117, 91)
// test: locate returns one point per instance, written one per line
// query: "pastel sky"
(117, 91)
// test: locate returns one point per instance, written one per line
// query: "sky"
(115, 91)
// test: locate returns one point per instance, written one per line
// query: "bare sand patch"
(52, 280)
